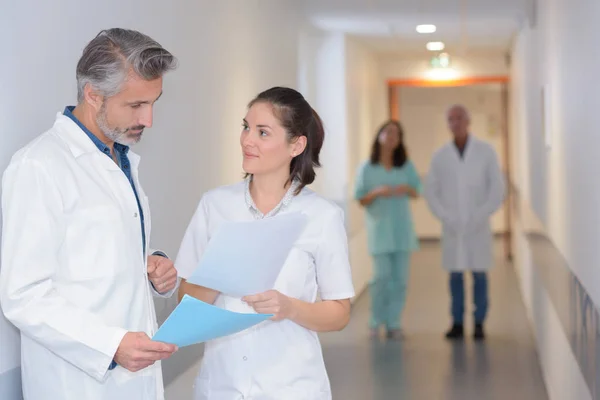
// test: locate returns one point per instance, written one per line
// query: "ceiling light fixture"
(426, 28)
(435, 46)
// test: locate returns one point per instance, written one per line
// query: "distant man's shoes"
(457, 332)
(479, 334)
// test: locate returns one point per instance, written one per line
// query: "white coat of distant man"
(464, 188)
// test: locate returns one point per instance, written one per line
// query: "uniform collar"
(287, 199)
(79, 144)
(122, 149)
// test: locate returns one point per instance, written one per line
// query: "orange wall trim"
(449, 82)
(394, 111)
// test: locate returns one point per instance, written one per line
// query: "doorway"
(421, 107)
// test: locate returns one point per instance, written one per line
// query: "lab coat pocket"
(293, 394)
(94, 235)
(474, 176)
(202, 388)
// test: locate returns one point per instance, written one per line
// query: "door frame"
(394, 113)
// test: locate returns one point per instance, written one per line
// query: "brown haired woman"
(384, 186)
(280, 359)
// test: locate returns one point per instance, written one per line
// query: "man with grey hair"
(464, 188)
(77, 275)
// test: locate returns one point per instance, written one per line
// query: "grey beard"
(116, 135)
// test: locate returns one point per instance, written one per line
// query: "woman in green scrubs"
(384, 186)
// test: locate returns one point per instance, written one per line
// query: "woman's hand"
(401, 190)
(383, 191)
(380, 191)
(272, 302)
(405, 190)
(322, 316)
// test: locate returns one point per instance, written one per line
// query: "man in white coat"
(464, 188)
(77, 275)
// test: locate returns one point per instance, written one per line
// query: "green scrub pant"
(388, 288)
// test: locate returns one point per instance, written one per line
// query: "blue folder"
(194, 321)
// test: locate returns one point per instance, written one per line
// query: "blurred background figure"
(384, 186)
(464, 188)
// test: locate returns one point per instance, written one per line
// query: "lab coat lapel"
(455, 153)
(134, 160)
(463, 169)
(468, 153)
(115, 180)
(462, 193)
(94, 161)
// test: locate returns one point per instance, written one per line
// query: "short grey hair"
(107, 60)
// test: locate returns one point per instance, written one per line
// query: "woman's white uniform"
(273, 360)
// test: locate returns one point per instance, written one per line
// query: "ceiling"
(388, 26)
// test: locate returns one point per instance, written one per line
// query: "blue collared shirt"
(121, 154)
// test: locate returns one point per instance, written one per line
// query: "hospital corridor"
(299, 200)
(424, 365)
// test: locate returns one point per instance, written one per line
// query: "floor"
(425, 366)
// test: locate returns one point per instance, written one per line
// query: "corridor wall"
(556, 146)
(341, 78)
(366, 105)
(228, 51)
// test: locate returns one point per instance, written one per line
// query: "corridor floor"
(424, 365)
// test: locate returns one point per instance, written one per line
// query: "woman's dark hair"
(299, 119)
(400, 155)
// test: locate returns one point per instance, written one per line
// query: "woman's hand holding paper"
(272, 302)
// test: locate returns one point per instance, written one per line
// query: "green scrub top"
(389, 220)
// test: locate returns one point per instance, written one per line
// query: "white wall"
(340, 77)
(366, 102)
(422, 111)
(322, 80)
(560, 184)
(228, 52)
(568, 202)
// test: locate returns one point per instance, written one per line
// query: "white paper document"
(245, 258)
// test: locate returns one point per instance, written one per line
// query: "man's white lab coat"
(464, 193)
(73, 277)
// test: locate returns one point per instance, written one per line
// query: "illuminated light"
(442, 74)
(435, 46)
(427, 28)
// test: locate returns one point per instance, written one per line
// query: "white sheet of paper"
(245, 258)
